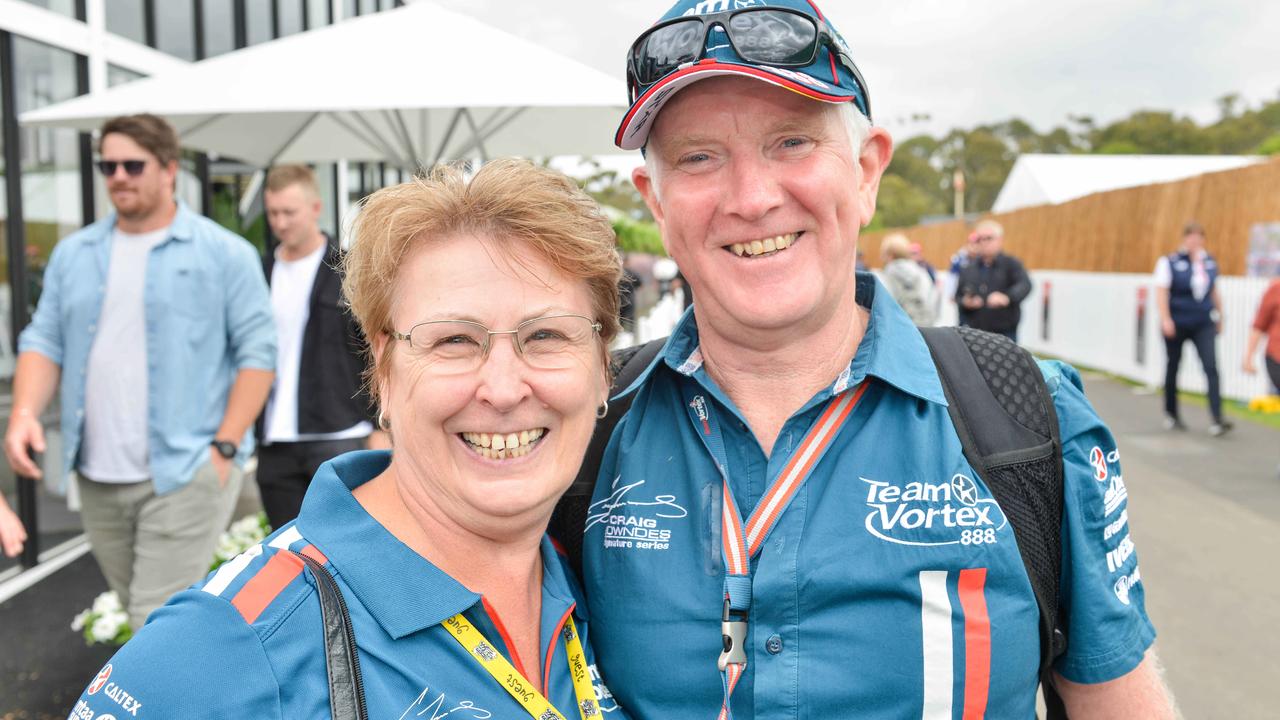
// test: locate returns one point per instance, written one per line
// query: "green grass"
(1234, 408)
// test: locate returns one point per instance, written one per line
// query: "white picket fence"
(1109, 321)
(1105, 321)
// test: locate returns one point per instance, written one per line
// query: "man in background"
(318, 408)
(992, 285)
(155, 327)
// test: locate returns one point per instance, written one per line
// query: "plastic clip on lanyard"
(739, 542)
(514, 683)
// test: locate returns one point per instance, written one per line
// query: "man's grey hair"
(855, 124)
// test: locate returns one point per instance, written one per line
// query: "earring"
(602, 410)
(383, 424)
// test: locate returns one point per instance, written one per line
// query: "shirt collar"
(891, 349)
(182, 228)
(401, 589)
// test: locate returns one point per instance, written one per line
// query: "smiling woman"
(489, 304)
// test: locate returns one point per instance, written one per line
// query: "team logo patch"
(922, 513)
(100, 680)
(1099, 462)
(1125, 584)
(634, 518)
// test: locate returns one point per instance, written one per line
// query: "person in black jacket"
(318, 408)
(992, 285)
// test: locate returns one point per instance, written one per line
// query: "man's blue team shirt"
(887, 588)
(201, 656)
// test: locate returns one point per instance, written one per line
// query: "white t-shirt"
(114, 445)
(291, 284)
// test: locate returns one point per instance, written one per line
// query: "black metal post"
(206, 184)
(15, 231)
(275, 19)
(338, 201)
(269, 240)
(88, 209)
(241, 24)
(197, 14)
(149, 22)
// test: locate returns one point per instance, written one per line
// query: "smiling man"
(155, 328)
(785, 524)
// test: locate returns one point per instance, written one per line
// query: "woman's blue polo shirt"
(247, 642)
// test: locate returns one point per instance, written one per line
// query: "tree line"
(918, 183)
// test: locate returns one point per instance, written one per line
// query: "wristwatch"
(225, 448)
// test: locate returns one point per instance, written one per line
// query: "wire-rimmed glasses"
(550, 342)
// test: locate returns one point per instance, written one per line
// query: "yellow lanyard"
(514, 683)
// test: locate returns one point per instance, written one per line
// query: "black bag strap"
(1003, 412)
(346, 687)
(569, 520)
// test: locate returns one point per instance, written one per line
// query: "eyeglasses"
(982, 238)
(133, 168)
(453, 347)
(777, 37)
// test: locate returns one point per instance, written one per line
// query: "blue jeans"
(1202, 336)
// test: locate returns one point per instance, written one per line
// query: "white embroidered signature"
(437, 708)
(601, 509)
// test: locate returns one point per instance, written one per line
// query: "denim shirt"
(208, 316)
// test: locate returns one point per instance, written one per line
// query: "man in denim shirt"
(155, 326)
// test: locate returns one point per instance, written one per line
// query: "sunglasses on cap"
(775, 37)
(133, 168)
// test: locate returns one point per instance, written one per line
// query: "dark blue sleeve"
(196, 657)
(1108, 630)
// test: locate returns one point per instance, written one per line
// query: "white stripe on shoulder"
(287, 538)
(231, 569)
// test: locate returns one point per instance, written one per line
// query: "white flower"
(77, 623)
(103, 630)
(227, 548)
(106, 602)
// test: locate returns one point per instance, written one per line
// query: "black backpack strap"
(346, 687)
(1004, 415)
(569, 520)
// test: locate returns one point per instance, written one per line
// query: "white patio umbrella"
(410, 86)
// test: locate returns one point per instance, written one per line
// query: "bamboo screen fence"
(1121, 230)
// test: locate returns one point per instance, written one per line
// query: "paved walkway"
(1205, 514)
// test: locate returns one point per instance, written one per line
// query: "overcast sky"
(966, 62)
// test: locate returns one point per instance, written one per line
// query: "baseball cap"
(830, 76)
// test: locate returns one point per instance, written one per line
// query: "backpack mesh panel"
(1030, 508)
(1012, 375)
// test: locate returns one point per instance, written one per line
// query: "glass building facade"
(48, 188)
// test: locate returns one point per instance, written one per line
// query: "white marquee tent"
(1051, 179)
(410, 86)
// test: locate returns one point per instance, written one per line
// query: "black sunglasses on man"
(132, 168)
(777, 37)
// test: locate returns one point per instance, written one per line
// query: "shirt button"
(773, 644)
